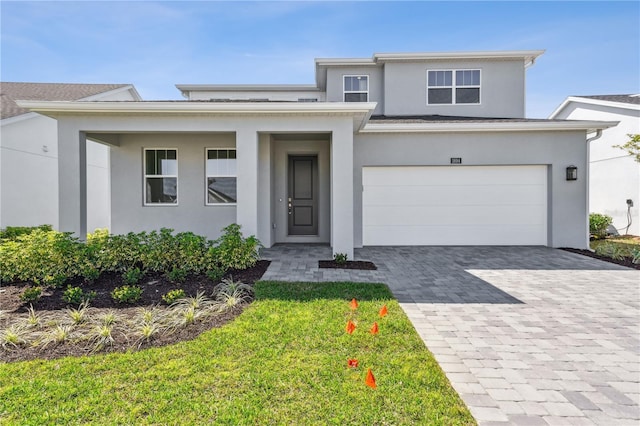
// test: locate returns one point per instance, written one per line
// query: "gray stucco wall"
(567, 213)
(128, 212)
(502, 89)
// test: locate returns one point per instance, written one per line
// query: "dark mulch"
(349, 264)
(624, 262)
(154, 286)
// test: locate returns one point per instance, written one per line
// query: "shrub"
(115, 253)
(126, 294)
(598, 224)
(635, 256)
(132, 276)
(233, 251)
(177, 275)
(31, 294)
(77, 296)
(40, 256)
(340, 258)
(173, 295)
(55, 281)
(13, 232)
(215, 273)
(612, 250)
(90, 274)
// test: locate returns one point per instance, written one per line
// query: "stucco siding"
(129, 214)
(501, 93)
(567, 220)
(614, 174)
(29, 172)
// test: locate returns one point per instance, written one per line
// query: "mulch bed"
(154, 286)
(624, 262)
(349, 264)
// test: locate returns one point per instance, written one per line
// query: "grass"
(282, 361)
(626, 241)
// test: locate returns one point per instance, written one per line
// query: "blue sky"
(591, 47)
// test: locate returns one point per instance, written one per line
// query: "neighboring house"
(614, 175)
(29, 154)
(396, 149)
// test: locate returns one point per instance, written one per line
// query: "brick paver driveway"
(526, 335)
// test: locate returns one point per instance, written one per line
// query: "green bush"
(233, 251)
(635, 256)
(41, 256)
(126, 294)
(132, 276)
(76, 296)
(49, 257)
(177, 275)
(173, 295)
(215, 273)
(612, 250)
(598, 224)
(340, 258)
(13, 232)
(116, 253)
(31, 294)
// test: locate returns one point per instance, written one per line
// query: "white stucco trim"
(485, 127)
(589, 101)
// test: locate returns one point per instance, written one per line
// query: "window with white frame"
(221, 176)
(356, 88)
(160, 176)
(453, 87)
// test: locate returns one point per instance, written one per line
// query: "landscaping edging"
(625, 262)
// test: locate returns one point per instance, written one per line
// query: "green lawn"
(283, 361)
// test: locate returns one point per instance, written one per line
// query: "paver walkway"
(526, 335)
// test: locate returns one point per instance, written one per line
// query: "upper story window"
(356, 88)
(160, 176)
(453, 87)
(221, 176)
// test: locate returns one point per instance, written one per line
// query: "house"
(614, 175)
(29, 154)
(395, 149)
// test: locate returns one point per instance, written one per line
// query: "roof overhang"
(185, 88)
(529, 56)
(590, 101)
(458, 127)
(360, 112)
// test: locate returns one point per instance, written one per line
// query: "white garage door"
(455, 205)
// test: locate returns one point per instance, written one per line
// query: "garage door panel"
(430, 195)
(450, 235)
(455, 205)
(446, 215)
(452, 176)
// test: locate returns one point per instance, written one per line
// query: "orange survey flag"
(374, 328)
(352, 363)
(370, 380)
(354, 304)
(383, 311)
(350, 327)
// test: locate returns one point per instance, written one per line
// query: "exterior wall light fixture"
(572, 173)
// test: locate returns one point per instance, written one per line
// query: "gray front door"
(303, 195)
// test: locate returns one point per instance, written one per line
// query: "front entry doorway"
(302, 198)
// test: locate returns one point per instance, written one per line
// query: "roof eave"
(591, 101)
(588, 126)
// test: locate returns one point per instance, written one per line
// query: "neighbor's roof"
(626, 99)
(630, 101)
(12, 91)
